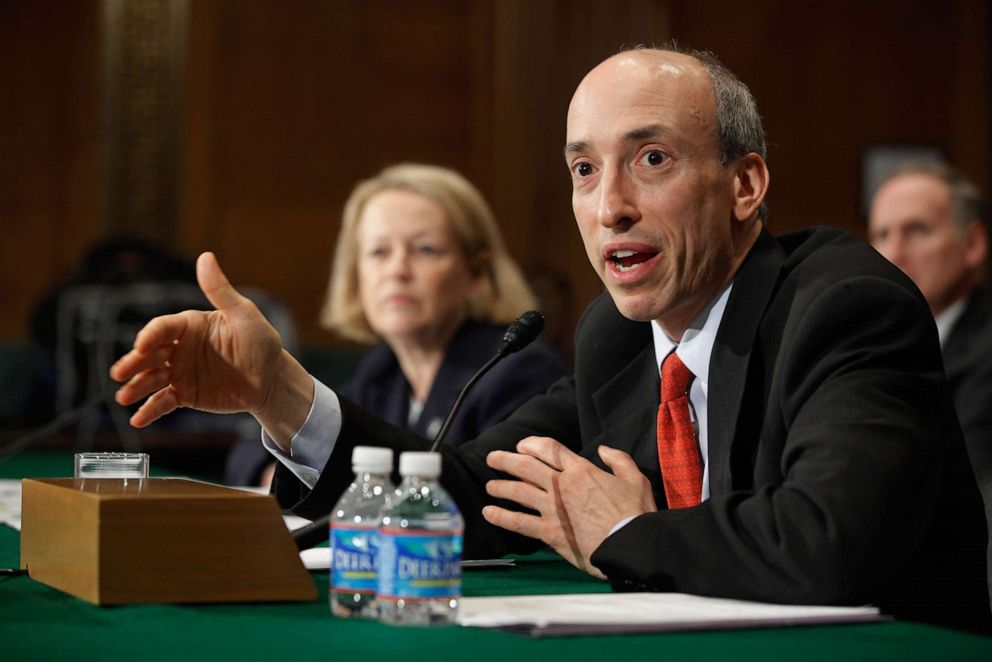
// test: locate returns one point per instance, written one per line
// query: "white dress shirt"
(946, 320)
(311, 446)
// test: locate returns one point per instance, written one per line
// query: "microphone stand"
(63, 420)
(521, 332)
(443, 432)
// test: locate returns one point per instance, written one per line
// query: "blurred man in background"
(930, 221)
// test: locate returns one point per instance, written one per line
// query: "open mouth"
(626, 260)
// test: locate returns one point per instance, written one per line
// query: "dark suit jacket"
(837, 470)
(968, 365)
(379, 384)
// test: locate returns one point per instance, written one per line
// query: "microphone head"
(522, 332)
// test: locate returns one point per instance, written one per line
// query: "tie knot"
(675, 378)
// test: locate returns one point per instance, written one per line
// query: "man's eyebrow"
(634, 135)
(576, 147)
(650, 131)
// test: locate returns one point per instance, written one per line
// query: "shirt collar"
(697, 341)
(946, 320)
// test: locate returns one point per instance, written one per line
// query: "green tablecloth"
(37, 622)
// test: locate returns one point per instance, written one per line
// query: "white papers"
(293, 522)
(10, 503)
(608, 613)
(317, 558)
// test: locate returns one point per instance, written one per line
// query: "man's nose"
(894, 250)
(616, 200)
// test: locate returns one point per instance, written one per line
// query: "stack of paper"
(610, 613)
(10, 503)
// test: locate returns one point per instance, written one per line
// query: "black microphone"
(521, 332)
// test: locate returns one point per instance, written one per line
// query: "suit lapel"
(958, 350)
(753, 287)
(627, 407)
(381, 387)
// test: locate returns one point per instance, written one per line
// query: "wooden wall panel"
(832, 79)
(50, 184)
(288, 109)
(288, 103)
(541, 50)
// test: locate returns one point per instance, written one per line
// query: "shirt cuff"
(619, 525)
(311, 446)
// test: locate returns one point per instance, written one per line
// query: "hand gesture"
(226, 360)
(577, 503)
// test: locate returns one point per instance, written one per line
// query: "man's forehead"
(910, 195)
(647, 69)
(919, 181)
(634, 90)
(915, 187)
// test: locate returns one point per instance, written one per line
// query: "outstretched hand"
(225, 360)
(577, 503)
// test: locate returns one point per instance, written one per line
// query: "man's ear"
(750, 185)
(976, 244)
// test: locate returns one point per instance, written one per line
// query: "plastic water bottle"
(354, 534)
(420, 553)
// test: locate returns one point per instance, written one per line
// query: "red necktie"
(678, 450)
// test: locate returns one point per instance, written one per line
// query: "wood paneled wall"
(50, 149)
(288, 109)
(288, 104)
(835, 78)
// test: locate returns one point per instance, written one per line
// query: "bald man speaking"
(749, 416)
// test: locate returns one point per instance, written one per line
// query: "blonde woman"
(421, 272)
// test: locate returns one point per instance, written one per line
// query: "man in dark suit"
(802, 451)
(930, 221)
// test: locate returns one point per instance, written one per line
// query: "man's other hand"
(577, 504)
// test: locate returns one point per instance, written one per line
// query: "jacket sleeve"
(464, 472)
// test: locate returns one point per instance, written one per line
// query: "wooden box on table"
(158, 540)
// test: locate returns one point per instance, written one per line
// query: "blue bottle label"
(419, 564)
(354, 558)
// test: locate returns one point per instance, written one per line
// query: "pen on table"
(12, 572)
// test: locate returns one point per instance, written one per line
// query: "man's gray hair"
(741, 131)
(967, 205)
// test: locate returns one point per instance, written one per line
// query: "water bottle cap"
(427, 465)
(372, 459)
